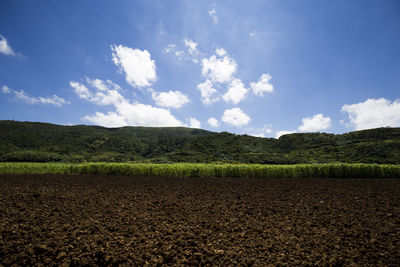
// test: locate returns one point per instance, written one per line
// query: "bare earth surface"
(111, 220)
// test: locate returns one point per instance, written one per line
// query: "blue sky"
(257, 67)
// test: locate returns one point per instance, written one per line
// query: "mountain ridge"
(46, 142)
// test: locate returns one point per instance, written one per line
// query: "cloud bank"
(374, 113)
(124, 112)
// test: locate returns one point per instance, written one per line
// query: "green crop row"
(209, 170)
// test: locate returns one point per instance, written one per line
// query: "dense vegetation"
(343, 170)
(43, 142)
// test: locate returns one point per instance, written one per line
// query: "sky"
(262, 68)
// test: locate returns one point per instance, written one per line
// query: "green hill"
(43, 142)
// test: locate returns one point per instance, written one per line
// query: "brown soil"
(112, 220)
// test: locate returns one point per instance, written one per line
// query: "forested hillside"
(43, 142)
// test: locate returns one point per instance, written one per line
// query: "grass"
(339, 170)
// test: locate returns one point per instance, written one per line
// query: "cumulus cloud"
(207, 92)
(316, 123)
(171, 99)
(219, 68)
(213, 14)
(236, 92)
(111, 119)
(146, 115)
(5, 48)
(235, 117)
(262, 85)
(193, 123)
(125, 112)
(139, 68)
(24, 97)
(280, 133)
(312, 124)
(213, 122)
(104, 96)
(374, 113)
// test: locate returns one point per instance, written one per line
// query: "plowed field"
(113, 220)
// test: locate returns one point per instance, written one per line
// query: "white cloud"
(96, 83)
(180, 55)
(253, 34)
(220, 52)
(125, 112)
(81, 90)
(374, 113)
(169, 48)
(213, 122)
(138, 66)
(207, 92)
(193, 123)
(192, 46)
(171, 99)
(313, 124)
(173, 49)
(213, 14)
(235, 117)
(5, 89)
(105, 95)
(53, 100)
(111, 119)
(24, 97)
(236, 92)
(5, 48)
(219, 69)
(280, 133)
(258, 135)
(259, 132)
(262, 85)
(146, 115)
(317, 123)
(102, 85)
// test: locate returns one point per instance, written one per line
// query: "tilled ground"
(112, 220)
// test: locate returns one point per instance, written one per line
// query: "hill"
(44, 142)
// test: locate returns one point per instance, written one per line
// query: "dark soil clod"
(88, 220)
